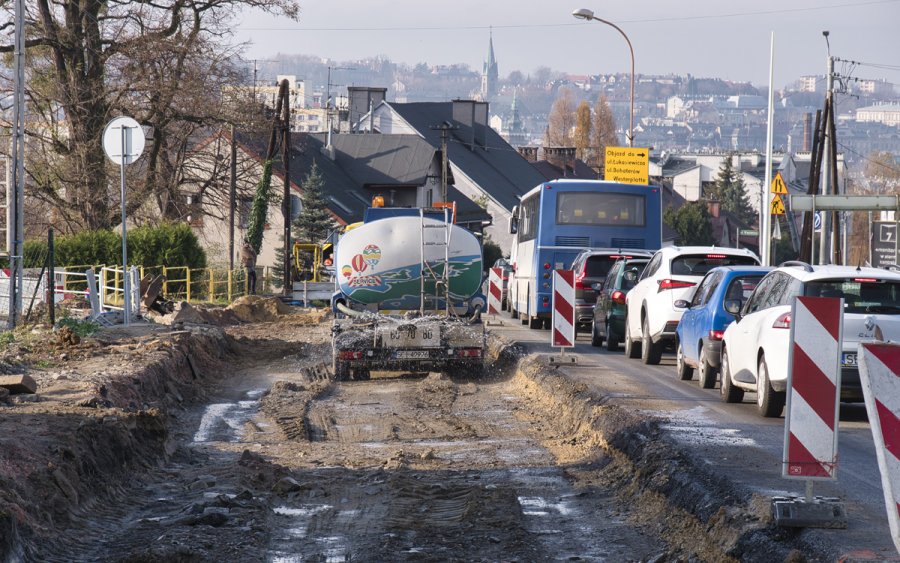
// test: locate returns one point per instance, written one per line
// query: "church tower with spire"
(490, 76)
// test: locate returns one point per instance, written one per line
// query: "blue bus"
(557, 220)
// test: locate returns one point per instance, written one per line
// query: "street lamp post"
(585, 14)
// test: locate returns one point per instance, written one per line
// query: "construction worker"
(248, 261)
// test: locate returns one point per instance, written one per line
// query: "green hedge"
(168, 244)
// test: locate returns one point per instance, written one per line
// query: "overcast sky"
(706, 38)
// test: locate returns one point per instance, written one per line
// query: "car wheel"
(632, 347)
(650, 352)
(341, 369)
(612, 340)
(705, 372)
(684, 371)
(596, 339)
(769, 402)
(730, 393)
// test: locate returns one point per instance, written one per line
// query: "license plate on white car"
(848, 359)
(425, 335)
(411, 355)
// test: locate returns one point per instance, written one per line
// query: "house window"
(429, 198)
(194, 209)
(296, 206)
(244, 207)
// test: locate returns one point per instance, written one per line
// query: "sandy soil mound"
(247, 309)
(256, 309)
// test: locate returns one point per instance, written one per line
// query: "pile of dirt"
(257, 309)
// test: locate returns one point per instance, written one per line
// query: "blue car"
(699, 334)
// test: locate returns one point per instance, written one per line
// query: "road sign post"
(879, 366)
(811, 419)
(562, 329)
(627, 165)
(123, 141)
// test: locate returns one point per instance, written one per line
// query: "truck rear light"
(579, 281)
(546, 265)
(716, 334)
(674, 284)
(350, 355)
(618, 297)
(545, 300)
(468, 353)
(783, 321)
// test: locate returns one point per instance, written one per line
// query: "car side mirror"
(681, 304)
(733, 306)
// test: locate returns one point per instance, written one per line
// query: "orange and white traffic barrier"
(814, 384)
(879, 374)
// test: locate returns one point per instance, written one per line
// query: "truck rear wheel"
(341, 369)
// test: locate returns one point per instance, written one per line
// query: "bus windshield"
(597, 208)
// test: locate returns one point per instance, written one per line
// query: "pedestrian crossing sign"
(777, 206)
(778, 186)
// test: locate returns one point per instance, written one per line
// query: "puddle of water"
(539, 506)
(225, 421)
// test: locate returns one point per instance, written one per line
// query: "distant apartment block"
(888, 114)
(873, 87)
(811, 83)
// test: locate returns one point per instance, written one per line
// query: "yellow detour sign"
(777, 206)
(628, 165)
(778, 186)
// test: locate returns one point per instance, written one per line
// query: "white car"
(651, 312)
(756, 345)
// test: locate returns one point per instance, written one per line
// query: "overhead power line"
(548, 25)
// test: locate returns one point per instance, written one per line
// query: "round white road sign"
(123, 136)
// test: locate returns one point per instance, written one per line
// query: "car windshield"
(861, 295)
(700, 264)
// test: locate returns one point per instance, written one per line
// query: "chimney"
(464, 118)
(807, 132)
(713, 207)
(481, 123)
(561, 157)
(360, 100)
(528, 153)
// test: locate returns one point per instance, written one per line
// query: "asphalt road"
(732, 438)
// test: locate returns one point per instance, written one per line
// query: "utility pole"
(445, 129)
(286, 196)
(827, 180)
(232, 200)
(16, 203)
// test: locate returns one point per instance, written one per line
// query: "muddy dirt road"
(274, 461)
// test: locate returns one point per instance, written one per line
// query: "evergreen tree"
(314, 222)
(729, 189)
(691, 222)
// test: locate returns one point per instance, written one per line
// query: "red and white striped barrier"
(563, 333)
(495, 291)
(879, 373)
(814, 385)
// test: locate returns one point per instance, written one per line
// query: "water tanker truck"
(408, 295)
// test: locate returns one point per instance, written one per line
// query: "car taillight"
(716, 334)
(674, 284)
(783, 321)
(618, 297)
(579, 281)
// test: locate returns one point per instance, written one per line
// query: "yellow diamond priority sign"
(628, 165)
(777, 206)
(778, 185)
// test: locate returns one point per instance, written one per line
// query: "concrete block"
(18, 383)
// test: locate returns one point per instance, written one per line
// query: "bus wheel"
(535, 323)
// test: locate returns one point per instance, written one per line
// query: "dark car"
(591, 267)
(704, 321)
(608, 319)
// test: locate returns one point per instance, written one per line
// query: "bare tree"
(561, 122)
(164, 63)
(582, 136)
(604, 131)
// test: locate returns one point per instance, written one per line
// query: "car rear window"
(700, 264)
(599, 266)
(861, 295)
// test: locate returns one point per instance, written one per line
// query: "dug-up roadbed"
(107, 427)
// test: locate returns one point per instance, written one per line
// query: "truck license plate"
(427, 335)
(411, 354)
